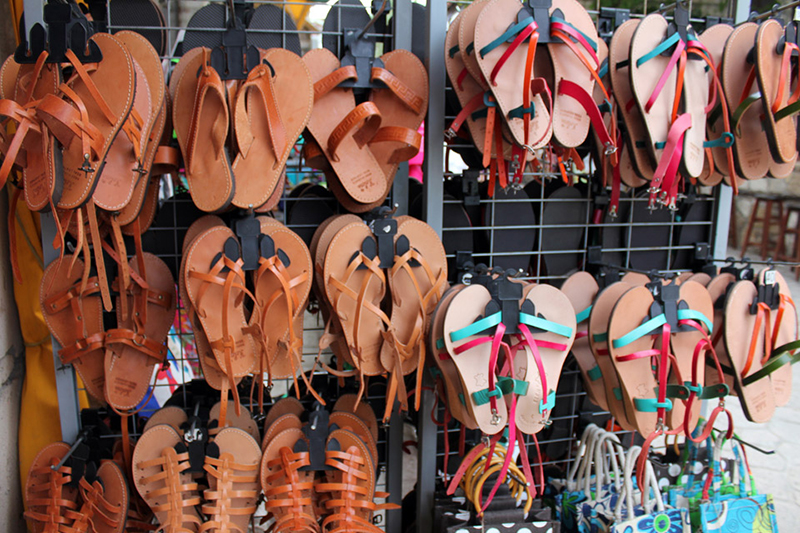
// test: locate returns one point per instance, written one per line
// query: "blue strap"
(600, 337)
(551, 402)
(583, 315)
(486, 101)
(665, 45)
(482, 397)
(691, 314)
(724, 141)
(640, 332)
(603, 69)
(589, 40)
(440, 344)
(509, 35)
(470, 48)
(595, 373)
(618, 393)
(476, 327)
(520, 112)
(651, 405)
(547, 325)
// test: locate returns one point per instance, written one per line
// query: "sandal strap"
(365, 117)
(403, 92)
(261, 80)
(209, 84)
(401, 135)
(332, 80)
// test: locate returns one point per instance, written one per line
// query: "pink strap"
(533, 345)
(638, 355)
(569, 30)
(667, 71)
(466, 111)
(573, 90)
(670, 158)
(524, 34)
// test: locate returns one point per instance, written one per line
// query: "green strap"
(600, 337)
(787, 111)
(723, 141)
(476, 327)
(435, 372)
(641, 331)
(453, 51)
(483, 396)
(665, 45)
(551, 402)
(583, 315)
(461, 398)
(741, 109)
(714, 391)
(779, 357)
(680, 392)
(691, 314)
(520, 112)
(503, 386)
(508, 35)
(603, 69)
(547, 325)
(651, 405)
(617, 393)
(440, 344)
(595, 373)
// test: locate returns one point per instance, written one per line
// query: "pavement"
(777, 473)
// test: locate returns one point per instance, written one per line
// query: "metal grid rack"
(398, 35)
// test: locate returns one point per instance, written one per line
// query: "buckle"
(86, 167)
(495, 418)
(610, 148)
(449, 133)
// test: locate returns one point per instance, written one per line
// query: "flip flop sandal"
(349, 403)
(619, 70)
(282, 423)
(581, 288)
(417, 280)
(23, 86)
(718, 290)
(598, 341)
(289, 489)
(287, 405)
(343, 130)
(352, 423)
(751, 147)
(745, 342)
(552, 322)
(511, 208)
(519, 99)
(105, 501)
(201, 121)
(783, 328)
(142, 16)
(170, 415)
(698, 308)
(783, 170)
(650, 229)
(233, 487)
(160, 464)
(464, 322)
(138, 342)
(272, 110)
(714, 39)
(350, 483)
(687, 231)
(468, 19)
(282, 284)
(356, 293)
(205, 28)
(272, 27)
(215, 279)
(87, 120)
(775, 81)
(573, 50)
(401, 97)
(243, 421)
(566, 210)
(453, 388)
(74, 317)
(51, 498)
(343, 14)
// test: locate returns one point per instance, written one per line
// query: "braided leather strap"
(290, 498)
(179, 497)
(220, 501)
(49, 508)
(95, 509)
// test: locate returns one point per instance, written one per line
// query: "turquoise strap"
(589, 40)
(520, 112)
(435, 372)
(461, 398)
(482, 397)
(600, 337)
(547, 325)
(594, 374)
(551, 402)
(651, 405)
(509, 34)
(691, 314)
(477, 327)
(603, 69)
(470, 48)
(641, 331)
(440, 344)
(487, 102)
(517, 386)
(618, 393)
(724, 141)
(453, 51)
(583, 315)
(604, 107)
(779, 357)
(665, 45)
(480, 113)
(680, 392)
(697, 389)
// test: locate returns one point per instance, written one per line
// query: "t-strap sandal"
(776, 77)
(417, 280)
(473, 341)
(272, 110)
(105, 501)
(783, 328)
(746, 341)
(581, 288)
(73, 311)
(51, 498)
(160, 474)
(233, 487)
(201, 119)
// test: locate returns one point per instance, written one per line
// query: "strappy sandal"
(233, 488)
(50, 496)
(272, 109)
(280, 424)
(105, 501)
(160, 464)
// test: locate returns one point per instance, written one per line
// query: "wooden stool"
(784, 252)
(766, 220)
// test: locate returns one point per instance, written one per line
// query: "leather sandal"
(73, 311)
(170, 415)
(349, 404)
(783, 332)
(160, 464)
(272, 109)
(281, 407)
(354, 424)
(243, 421)
(51, 498)
(231, 497)
(105, 501)
(282, 423)
(581, 288)
(201, 120)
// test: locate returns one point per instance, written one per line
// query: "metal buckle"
(610, 149)
(612, 212)
(449, 133)
(495, 418)
(86, 167)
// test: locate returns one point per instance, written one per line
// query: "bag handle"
(577, 472)
(627, 495)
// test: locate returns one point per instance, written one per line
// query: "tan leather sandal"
(49, 497)
(105, 501)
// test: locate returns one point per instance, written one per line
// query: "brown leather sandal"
(282, 423)
(50, 498)
(105, 501)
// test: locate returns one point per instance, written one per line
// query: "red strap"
(474, 104)
(524, 34)
(573, 90)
